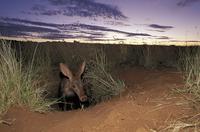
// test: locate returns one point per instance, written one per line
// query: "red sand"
(148, 104)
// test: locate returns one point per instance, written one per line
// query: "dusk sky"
(102, 21)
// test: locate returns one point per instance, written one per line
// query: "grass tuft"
(190, 65)
(20, 84)
(103, 85)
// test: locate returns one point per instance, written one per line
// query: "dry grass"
(103, 85)
(190, 66)
(188, 123)
(20, 84)
(178, 126)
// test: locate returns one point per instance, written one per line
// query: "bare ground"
(148, 104)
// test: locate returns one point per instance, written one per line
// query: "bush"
(20, 84)
(103, 85)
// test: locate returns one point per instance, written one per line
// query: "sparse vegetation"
(20, 84)
(29, 73)
(103, 85)
(190, 65)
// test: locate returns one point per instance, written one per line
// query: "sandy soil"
(147, 105)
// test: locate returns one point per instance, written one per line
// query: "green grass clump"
(20, 84)
(102, 85)
(190, 65)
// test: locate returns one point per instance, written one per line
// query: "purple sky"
(106, 21)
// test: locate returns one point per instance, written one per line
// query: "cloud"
(81, 8)
(156, 26)
(39, 9)
(161, 31)
(163, 37)
(20, 27)
(183, 3)
(59, 36)
(106, 40)
(104, 29)
(18, 30)
(51, 12)
(116, 23)
(28, 22)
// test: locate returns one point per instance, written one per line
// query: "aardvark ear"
(65, 71)
(81, 69)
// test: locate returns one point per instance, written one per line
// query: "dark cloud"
(14, 27)
(98, 34)
(22, 21)
(156, 26)
(138, 34)
(163, 37)
(105, 39)
(104, 29)
(184, 3)
(51, 12)
(116, 23)
(161, 31)
(18, 30)
(81, 8)
(92, 29)
(39, 9)
(193, 41)
(59, 36)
